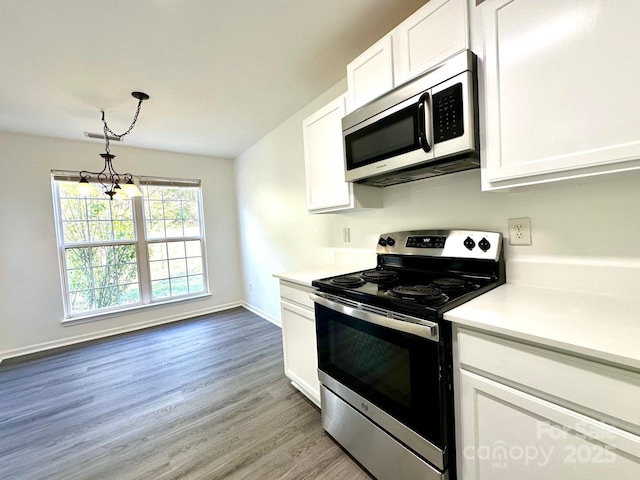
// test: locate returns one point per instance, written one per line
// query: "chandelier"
(115, 184)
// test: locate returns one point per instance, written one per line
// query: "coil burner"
(419, 293)
(379, 276)
(451, 284)
(348, 281)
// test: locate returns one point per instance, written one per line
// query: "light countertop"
(345, 260)
(605, 327)
(306, 276)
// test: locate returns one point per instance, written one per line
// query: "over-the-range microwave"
(423, 128)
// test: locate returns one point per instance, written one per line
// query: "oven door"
(390, 369)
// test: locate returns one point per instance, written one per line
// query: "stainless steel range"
(384, 349)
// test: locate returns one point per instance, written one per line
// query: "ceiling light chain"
(108, 177)
(141, 97)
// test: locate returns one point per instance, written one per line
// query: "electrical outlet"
(520, 231)
(346, 235)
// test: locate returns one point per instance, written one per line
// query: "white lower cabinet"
(299, 339)
(526, 413)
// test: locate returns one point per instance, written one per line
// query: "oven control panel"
(442, 243)
(425, 241)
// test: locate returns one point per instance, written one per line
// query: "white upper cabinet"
(437, 31)
(561, 89)
(371, 74)
(327, 190)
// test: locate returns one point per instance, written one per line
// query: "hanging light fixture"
(115, 185)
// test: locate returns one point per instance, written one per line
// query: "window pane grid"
(173, 271)
(102, 277)
(93, 218)
(171, 212)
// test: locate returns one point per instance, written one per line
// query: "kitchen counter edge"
(600, 327)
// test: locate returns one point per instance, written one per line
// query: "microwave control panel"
(447, 114)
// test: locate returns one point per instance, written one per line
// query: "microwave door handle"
(423, 125)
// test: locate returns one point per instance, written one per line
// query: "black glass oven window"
(381, 365)
(447, 114)
(391, 136)
(398, 372)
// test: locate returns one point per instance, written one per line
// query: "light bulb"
(119, 193)
(131, 189)
(85, 188)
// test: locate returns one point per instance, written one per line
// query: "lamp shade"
(131, 189)
(85, 188)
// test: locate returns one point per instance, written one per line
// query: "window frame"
(141, 243)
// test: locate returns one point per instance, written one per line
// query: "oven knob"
(469, 243)
(382, 242)
(484, 245)
(390, 241)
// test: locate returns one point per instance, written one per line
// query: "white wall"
(590, 224)
(278, 233)
(30, 292)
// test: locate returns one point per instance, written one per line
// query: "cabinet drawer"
(296, 294)
(571, 381)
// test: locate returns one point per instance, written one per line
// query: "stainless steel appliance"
(423, 128)
(384, 349)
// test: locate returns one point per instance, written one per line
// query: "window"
(120, 254)
(172, 225)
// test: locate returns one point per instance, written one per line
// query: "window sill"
(76, 319)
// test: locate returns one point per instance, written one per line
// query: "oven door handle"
(378, 316)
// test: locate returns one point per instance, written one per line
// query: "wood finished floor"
(200, 399)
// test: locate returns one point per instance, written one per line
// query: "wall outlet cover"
(520, 231)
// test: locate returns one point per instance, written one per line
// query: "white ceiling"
(221, 73)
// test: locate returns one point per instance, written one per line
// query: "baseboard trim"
(41, 347)
(261, 313)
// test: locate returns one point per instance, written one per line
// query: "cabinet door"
(299, 348)
(429, 36)
(560, 89)
(327, 190)
(371, 74)
(323, 156)
(504, 433)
